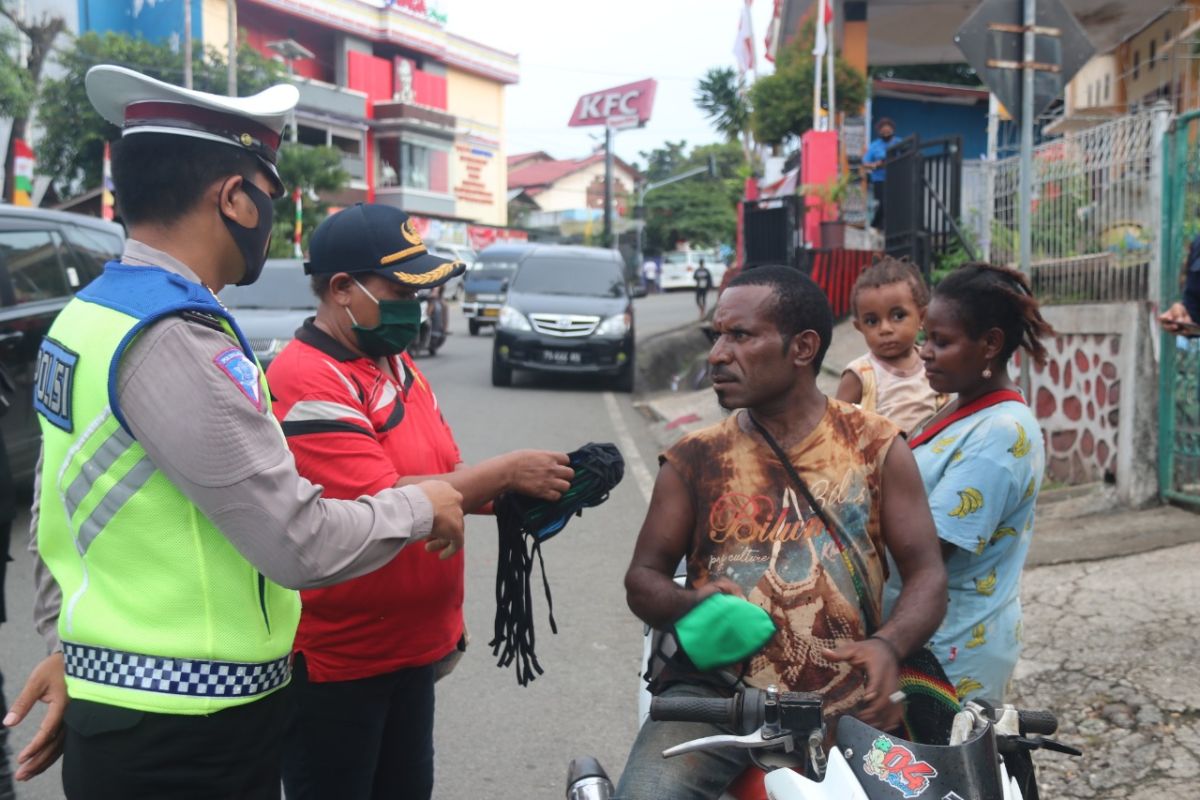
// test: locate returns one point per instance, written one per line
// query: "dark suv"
(45, 257)
(567, 310)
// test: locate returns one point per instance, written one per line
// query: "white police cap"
(140, 104)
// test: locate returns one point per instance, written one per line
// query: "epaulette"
(201, 318)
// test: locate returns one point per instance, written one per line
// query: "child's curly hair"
(888, 270)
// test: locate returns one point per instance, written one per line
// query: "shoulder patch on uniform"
(200, 318)
(54, 382)
(242, 371)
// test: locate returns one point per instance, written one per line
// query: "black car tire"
(502, 373)
(473, 327)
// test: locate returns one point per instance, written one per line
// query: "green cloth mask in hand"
(399, 326)
(723, 629)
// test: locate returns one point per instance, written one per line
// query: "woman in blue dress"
(982, 459)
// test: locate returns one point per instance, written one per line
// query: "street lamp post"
(646, 188)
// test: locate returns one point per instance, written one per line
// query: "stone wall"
(1096, 398)
(1077, 398)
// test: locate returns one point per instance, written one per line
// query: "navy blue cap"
(378, 239)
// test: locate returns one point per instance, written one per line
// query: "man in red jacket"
(359, 415)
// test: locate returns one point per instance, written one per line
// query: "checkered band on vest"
(180, 676)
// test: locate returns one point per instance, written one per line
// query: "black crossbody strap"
(835, 531)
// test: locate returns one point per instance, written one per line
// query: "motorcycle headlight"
(617, 325)
(513, 320)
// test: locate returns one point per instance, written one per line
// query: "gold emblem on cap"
(434, 275)
(246, 139)
(413, 238)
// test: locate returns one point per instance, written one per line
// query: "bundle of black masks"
(524, 523)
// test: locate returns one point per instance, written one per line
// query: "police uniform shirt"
(228, 455)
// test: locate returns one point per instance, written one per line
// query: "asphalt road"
(494, 738)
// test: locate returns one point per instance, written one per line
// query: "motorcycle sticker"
(953, 796)
(894, 764)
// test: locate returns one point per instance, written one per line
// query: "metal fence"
(1096, 212)
(922, 199)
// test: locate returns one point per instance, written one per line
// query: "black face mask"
(887, 137)
(253, 242)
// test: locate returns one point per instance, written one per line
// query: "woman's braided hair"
(992, 296)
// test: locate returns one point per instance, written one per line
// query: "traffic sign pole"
(1025, 188)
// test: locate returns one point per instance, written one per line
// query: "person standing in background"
(873, 159)
(704, 282)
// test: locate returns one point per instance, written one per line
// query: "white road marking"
(625, 441)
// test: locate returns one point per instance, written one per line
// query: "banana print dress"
(982, 475)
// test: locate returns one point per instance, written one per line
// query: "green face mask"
(399, 325)
(723, 629)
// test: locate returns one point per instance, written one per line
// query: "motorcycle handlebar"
(715, 710)
(1037, 722)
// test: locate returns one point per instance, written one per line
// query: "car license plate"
(562, 357)
(490, 312)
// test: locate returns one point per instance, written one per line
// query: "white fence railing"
(1096, 212)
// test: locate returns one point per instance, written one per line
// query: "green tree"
(721, 95)
(781, 103)
(16, 90)
(663, 162)
(700, 210)
(72, 144)
(19, 82)
(314, 170)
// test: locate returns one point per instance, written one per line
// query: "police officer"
(171, 526)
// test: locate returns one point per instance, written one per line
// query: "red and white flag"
(743, 48)
(823, 24)
(769, 43)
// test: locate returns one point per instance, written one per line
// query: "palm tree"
(721, 95)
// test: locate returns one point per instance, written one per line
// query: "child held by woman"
(888, 303)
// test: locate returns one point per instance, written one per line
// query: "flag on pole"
(22, 173)
(743, 48)
(824, 20)
(106, 185)
(297, 199)
(769, 41)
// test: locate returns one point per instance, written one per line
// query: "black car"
(567, 310)
(45, 257)
(271, 309)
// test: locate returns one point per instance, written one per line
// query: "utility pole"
(1025, 188)
(610, 240)
(187, 44)
(231, 14)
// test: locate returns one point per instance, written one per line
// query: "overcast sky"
(568, 48)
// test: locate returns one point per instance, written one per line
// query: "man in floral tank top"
(724, 501)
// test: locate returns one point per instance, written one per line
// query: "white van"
(679, 267)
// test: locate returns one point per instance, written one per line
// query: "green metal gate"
(1179, 362)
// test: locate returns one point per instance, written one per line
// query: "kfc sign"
(631, 103)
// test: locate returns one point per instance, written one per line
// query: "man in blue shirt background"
(877, 153)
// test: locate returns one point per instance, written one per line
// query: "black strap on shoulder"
(831, 526)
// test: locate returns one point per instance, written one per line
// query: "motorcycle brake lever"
(1055, 745)
(751, 741)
